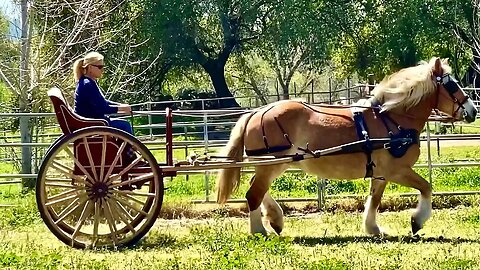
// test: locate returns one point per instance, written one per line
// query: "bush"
(191, 95)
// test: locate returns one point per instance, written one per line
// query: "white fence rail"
(205, 124)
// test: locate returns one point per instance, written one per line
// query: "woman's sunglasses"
(98, 66)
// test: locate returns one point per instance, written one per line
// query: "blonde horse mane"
(407, 87)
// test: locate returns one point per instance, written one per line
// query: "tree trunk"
(471, 75)
(216, 71)
(286, 91)
(25, 133)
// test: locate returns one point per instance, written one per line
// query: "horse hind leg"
(259, 185)
(273, 213)
(377, 188)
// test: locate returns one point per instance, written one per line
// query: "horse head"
(451, 99)
(432, 81)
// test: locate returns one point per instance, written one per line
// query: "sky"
(12, 12)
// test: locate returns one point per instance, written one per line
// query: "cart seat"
(68, 120)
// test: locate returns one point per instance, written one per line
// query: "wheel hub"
(99, 190)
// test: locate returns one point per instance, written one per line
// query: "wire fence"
(211, 129)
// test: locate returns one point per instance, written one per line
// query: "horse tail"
(229, 179)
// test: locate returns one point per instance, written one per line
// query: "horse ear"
(437, 67)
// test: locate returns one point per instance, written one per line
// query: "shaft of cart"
(269, 160)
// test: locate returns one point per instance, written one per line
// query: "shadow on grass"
(313, 241)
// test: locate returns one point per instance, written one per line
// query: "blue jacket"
(90, 102)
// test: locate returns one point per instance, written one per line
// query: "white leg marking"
(423, 211)
(273, 213)
(256, 225)
(370, 218)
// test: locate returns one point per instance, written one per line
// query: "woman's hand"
(124, 108)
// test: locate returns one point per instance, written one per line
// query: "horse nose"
(470, 117)
(474, 113)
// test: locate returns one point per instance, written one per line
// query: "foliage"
(203, 33)
(383, 37)
(8, 51)
(23, 213)
(191, 95)
(296, 37)
(154, 47)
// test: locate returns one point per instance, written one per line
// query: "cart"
(90, 195)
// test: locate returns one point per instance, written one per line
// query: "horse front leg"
(377, 188)
(409, 178)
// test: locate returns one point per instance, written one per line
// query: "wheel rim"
(92, 201)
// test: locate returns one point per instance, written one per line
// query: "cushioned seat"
(68, 120)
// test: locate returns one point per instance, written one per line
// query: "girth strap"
(362, 133)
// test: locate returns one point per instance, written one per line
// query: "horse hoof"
(374, 231)
(415, 226)
(277, 229)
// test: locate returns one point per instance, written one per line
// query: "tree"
(206, 33)
(251, 70)
(297, 35)
(379, 37)
(54, 34)
(461, 18)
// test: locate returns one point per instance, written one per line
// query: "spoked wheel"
(90, 193)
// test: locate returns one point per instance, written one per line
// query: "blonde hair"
(80, 65)
(407, 87)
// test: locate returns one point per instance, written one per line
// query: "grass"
(217, 238)
(321, 241)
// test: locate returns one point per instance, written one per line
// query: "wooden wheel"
(90, 195)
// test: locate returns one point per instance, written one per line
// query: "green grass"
(7, 167)
(325, 240)
(450, 240)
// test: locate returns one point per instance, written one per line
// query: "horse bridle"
(451, 85)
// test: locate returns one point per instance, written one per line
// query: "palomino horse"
(401, 105)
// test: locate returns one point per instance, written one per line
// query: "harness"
(398, 144)
(451, 85)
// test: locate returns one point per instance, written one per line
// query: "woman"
(91, 103)
(89, 100)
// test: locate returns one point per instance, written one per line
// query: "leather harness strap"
(362, 133)
(268, 149)
(399, 141)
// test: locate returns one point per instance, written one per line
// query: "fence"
(205, 123)
(205, 144)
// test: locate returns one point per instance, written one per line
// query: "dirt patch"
(389, 203)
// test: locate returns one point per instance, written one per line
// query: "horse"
(398, 110)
